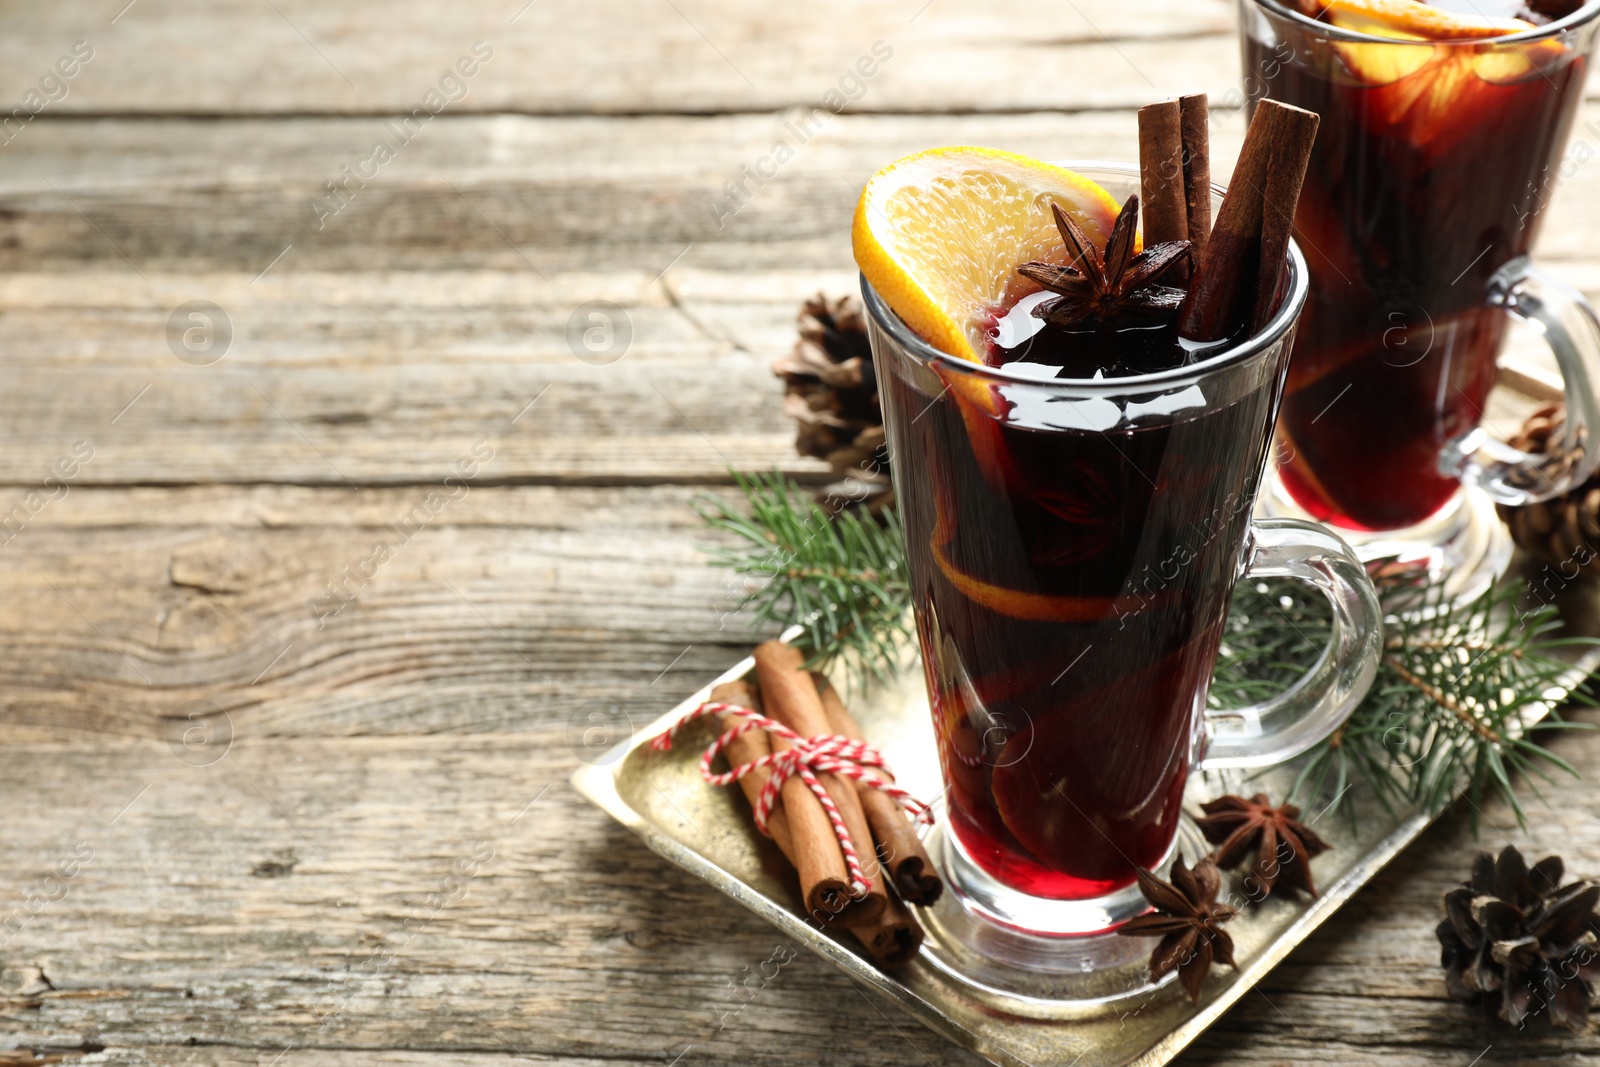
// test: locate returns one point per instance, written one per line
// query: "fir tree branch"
(1450, 706)
(843, 578)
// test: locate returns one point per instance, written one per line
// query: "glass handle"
(1567, 322)
(1308, 711)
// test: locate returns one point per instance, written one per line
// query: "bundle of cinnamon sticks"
(1240, 268)
(896, 865)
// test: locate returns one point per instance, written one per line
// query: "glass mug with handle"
(1073, 547)
(1427, 182)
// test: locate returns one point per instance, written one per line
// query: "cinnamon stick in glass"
(1196, 126)
(1246, 256)
(900, 850)
(1285, 178)
(1161, 173)
(895, 936)
(790, 697)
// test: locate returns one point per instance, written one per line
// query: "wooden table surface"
(272, 794)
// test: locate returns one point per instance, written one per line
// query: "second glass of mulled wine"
(1431, 170)
(1077, 510)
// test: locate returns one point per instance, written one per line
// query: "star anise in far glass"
(1522, 942)
(1112, 289)
(1283, 846)
(1188, 920)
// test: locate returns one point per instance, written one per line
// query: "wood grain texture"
(508, 609)
(513, 193)
(344, 369)
(164, 56)
(354, 379)
(304, 893)
(278, 796)
(520, 195)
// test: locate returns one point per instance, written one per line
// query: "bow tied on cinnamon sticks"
(825, 798)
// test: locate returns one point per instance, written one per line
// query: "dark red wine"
(1071, 588)
(1420, 188)
(1019, 335)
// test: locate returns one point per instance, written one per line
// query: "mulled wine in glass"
(1077, 508)
(1431, 170)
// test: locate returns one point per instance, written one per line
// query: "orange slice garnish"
(1022, 604)
(1439, 57)
(940, 234)
(1503, 64)
(1410, 20)
(1415, 21)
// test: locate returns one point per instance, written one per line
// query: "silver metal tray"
(705, 830)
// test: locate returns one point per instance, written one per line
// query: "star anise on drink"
(1113, 289)
(1283, 846)
(1521, 941)
(1188, 920)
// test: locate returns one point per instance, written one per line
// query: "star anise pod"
(1522, 942)
(1283, 846)
(1188, 920)
(1114, 289)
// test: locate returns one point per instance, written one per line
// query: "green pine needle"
(1448, 709)
(1450, 706)
(841, 577)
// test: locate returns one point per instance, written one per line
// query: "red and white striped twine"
(807, 756)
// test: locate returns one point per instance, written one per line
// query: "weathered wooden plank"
(242, 901)
(509, 193)
(523, 195)
(392, 378)
(280, 897)
(318, 899)
(497, 609)
(614, 56)
(340, 379)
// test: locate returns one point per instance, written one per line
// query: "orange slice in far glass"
(1409, 20)
(940, 234)
(1384, 64)
(1447, 56)
(1503, 64)
(1414, 20)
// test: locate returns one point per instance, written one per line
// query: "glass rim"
(1584, 14)
(1282, 321)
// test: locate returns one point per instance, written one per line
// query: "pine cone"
(1564, 531)
(1520, 942)
(831, 391)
